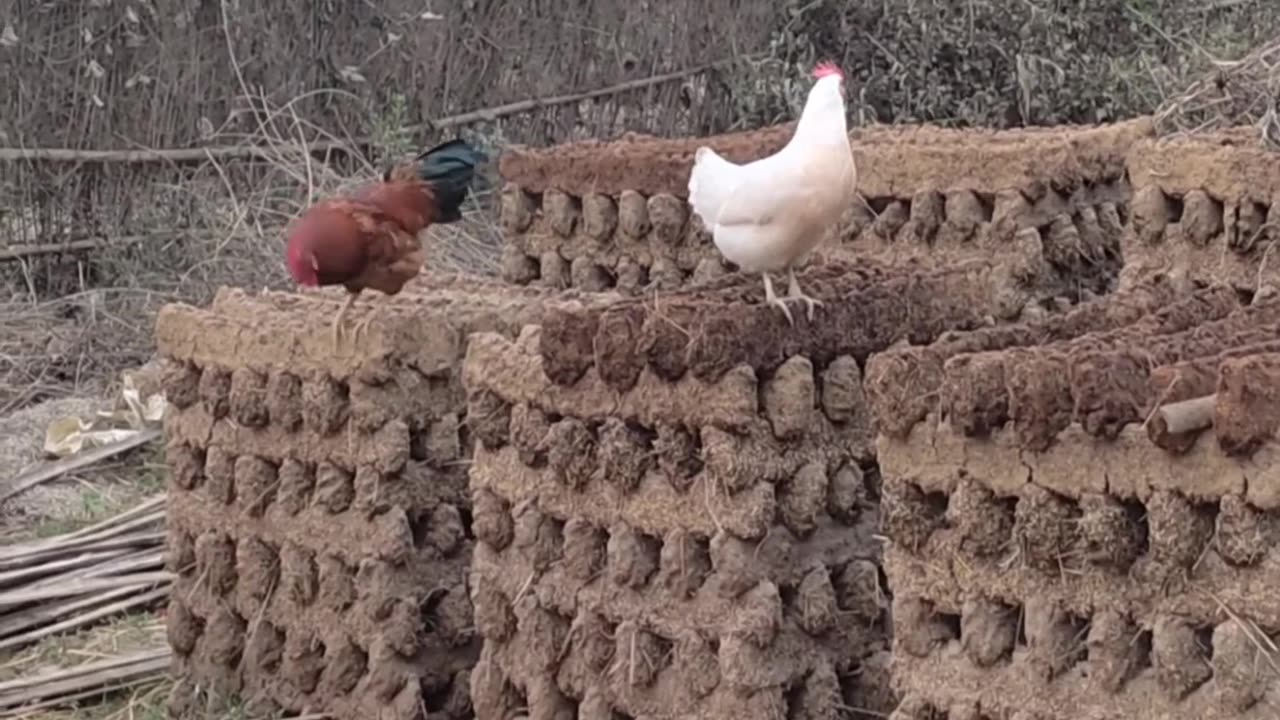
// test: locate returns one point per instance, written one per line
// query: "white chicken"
(768, 214)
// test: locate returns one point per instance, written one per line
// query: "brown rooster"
(370, 239)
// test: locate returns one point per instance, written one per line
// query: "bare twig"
(258, 152)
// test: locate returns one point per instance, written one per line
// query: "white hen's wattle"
(766, 215)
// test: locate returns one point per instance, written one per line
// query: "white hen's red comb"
(824, 69)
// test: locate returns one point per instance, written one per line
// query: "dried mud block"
(186, 465)
(789, 398)
(973, 395)
(325, 404)
(665, 274)
(1112, 534)
(625, 453)
(180, 551)
(988, 631)
(256, 484)
(847, 494)
(925, 217)
(248, 398)
(220, 475)
(216, 561)
(1202, 217)
(982, 521)
(909, 516)
(667, 217)
(584, 549)
(224, 637)
(1180, 658)
(571, 452)
(336, 589)
(257, 567)
(684, 563)
(677, 454)
(1056, 640)
(181, 383)
(303, 660)
(562, 212)
(215, 391)
(297, 481)
(1241, 672)
(183, 628)
(284, 400)
(345, 664)
(1150, 212)
(589, 276)
(491, 519)
(918, 629)
(517, 209)
(488, 418)
(633, 557)
(1248, 407)
(842, 396)
(803, 498)
(299, 576)
(539, 537)
(708, 269)
(639, 655)
(815, 605)
(1244, 534)
(334, 488)
(599, 217)
(1045, 528)
(858, 590)
(516, 267)
(553, 271)
(454, 619)
(758, 615)
(1178, 530)
(630, 275)
(495, 620)
(264, 649)
(737, 566)
(1117, 649)
(890, 220)
(633, 214)
(819, 696)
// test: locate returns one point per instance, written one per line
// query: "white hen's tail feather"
(711, 181)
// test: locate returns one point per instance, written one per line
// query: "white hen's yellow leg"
(771, 298)
(794, 293)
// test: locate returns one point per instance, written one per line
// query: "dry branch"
(1174, 426)
(71, 582)
(256, 152)
(60, 686)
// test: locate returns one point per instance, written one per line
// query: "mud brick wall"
(679, 524)
(319, 520)
(600, 215)
(1047, 558)
(1205, 204)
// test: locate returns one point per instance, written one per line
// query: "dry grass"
(1232, 94)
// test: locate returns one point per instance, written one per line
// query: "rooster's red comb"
(823, 69)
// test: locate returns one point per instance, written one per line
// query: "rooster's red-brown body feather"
(369, 240)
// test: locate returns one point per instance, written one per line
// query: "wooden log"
(1176, 426)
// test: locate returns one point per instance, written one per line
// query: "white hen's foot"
(771, 298)
(794, 293)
